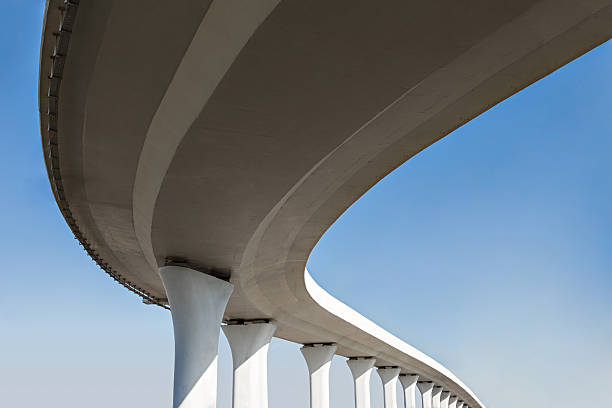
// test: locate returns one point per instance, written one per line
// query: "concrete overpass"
(199, 149)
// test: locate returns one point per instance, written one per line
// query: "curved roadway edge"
(271, 280)
(271, 277)
(398, 353)
(56, 44)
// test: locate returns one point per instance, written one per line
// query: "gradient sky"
(491, 251)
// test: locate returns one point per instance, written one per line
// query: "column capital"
(246, 338)
(388, 374)
(318, 354)
(425, 386)
(408, 380)
(360, 365)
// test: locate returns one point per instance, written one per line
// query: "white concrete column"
(408, 382)
(389, 376)
(197, 302)
(361, 368)
(426, 389)
(444, 397)
(318, 359)
(461, 404)
(249, 343)
(452, 402)
(435, 397)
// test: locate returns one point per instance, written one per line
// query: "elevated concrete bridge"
(199, 149)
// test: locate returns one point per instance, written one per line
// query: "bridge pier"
(409, 382)
(389, 376)
(444, 397)
(361, 369)
(197, 303)
(436, 395)
(318, 359)
(249, 342)
(426, 389)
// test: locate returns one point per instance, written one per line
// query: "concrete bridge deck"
(227, 136)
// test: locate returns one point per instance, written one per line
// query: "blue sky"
(491, 251)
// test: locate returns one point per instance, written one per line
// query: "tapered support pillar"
(435, 397)
(409, 382)
(197, 302)
(389, 376)
(444, 397)
(461, 404)
(452, 402)
(249, 343)
(426, 390)
(361, 368)
(318, 359)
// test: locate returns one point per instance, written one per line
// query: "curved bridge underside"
(231, 134)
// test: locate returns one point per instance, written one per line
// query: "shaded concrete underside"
(323, 101)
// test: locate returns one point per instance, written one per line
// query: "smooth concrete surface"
(389, 377)
(426, 390)
(436, 396)
(409, 383)
(230, 22)
(249, 343)
(444, 399)
(318, 359)
(361, 369)
(232, 134)
(452, 402)
(198, 302)
(460, 404)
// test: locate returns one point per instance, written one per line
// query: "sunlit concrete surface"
(224, 137)
(318, 359)
(408, 383)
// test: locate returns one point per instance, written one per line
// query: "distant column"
(426, 389)
(197, 303)
(409, 382)
(444, 397)
(452, 402)
(461, 404)
(318, 359)
(249, 342)
(436, 395)
(361, 368)
(389, 376)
